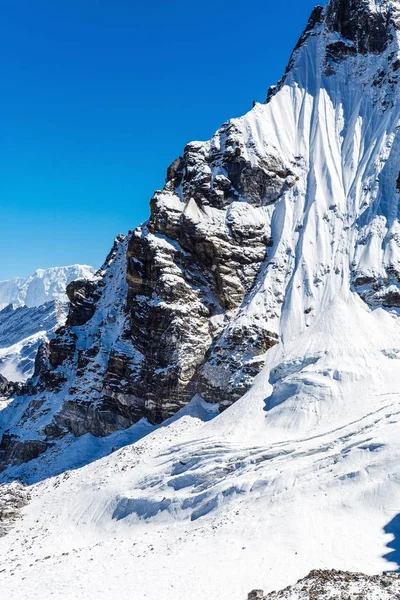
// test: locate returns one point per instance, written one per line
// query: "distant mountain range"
(31, 309)
(41, 286)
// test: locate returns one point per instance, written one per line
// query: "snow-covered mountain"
(221, 410)
(31, 309)
(41, 286)
(22, 330)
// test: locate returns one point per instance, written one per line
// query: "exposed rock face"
(337, 585)
(9, 388)
(256, 595)
(191, 266)
(379, 284)
(352, 28)
(13, 497)
(82, 297)
(368, 30)
(42, 356)
(14, 451)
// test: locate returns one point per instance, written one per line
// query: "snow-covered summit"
(41, 286)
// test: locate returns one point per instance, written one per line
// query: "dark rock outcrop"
(13, 497)
(10, 388)
(82, 301)
(41, 359)
(14, 451)
(336, 585)
(190, 266)
(380, 290)
(368, 30)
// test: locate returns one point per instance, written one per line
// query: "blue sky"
(99, 97)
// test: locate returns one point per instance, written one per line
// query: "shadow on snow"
(393, 528)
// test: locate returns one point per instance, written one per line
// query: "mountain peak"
(256, 315)
(357, 39)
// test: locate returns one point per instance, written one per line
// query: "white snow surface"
(41, 286)
(301, 473)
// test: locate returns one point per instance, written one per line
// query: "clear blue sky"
(99, 96)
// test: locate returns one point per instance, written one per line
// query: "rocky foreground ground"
(13, 497)
(337, 585)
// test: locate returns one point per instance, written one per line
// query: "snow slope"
(249, 499)
(41, 286)
(303, 471)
